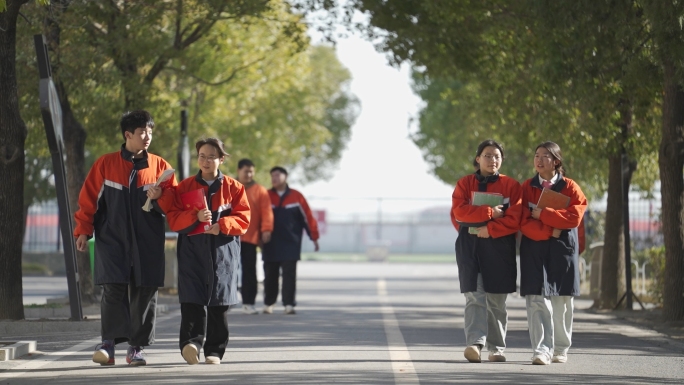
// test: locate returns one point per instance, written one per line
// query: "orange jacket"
(226, 199)
(110, 206)
(262, 214)
(463, 212)
(569, 218)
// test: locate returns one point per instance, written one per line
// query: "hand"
(154, 192)
(316, 248)
(556, 233)
(536, 213)
(497, 212)
(266, 237)
(82, 243)
(482, 232)
(204, 215)
(214, 229)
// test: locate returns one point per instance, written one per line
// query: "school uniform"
(486, 266)
(261, 221)
(207, 264)
(291, 217)
(129, 242)
(549, 267)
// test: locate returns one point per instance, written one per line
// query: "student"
(259, 232)
(129, 242)
(291, 216)
(486, 260)
(549, 256)
(207, 263)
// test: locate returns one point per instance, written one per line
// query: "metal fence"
(403, 225)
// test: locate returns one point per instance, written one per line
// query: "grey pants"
(129, 313)
(550, 323)
(486, 318)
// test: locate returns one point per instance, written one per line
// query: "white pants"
(486, 318)
(550, 323)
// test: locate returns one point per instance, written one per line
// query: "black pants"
(205, 327)
(248, 258)
(128, 313)
(271, 275)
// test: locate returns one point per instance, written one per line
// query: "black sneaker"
(134, 356)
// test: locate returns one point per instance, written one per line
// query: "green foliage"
(252, 79)
(656, 264)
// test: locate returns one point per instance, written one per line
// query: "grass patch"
(44, 306)
(392, 258)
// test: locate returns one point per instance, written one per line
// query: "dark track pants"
(129, 313)
(248, 258)
(204, 326)
(271, 275)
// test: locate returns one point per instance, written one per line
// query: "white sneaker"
(560, 358)
(268, 309)
(472, 353)
(249, 309)
(289, 309)
(190, 354)
(540, 359)
(212, 360)
(497, 357)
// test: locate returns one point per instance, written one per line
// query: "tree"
(12, 138)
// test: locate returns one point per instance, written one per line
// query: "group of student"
(550, 243)
(237, 217)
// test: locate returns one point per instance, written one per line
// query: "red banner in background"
(320, 218)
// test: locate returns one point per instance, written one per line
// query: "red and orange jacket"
(463, 212)
(291, 217)
(262, 213)
(110, 207)
(571, 217)
(207, 263)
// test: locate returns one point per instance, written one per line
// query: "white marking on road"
(48, 357)
(402, 366)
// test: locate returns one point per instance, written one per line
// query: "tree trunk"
(613, 241)
(74, 140)
(12, 139)
(671, 162)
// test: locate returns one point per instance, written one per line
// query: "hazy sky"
(380, 159)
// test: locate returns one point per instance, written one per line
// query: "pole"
(51, 111)
(625, 225)
(183, 150)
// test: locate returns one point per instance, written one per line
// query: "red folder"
(196, 201)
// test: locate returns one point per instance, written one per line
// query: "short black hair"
(217, 143)
(278, 168)
(131, 120)
(245, 163)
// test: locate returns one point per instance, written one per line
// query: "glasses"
(203, 158)
(492, 157)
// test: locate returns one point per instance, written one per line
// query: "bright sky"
(380, 159)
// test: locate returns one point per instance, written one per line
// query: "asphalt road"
(365, 323)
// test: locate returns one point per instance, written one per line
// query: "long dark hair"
(555, 151)
(485, 144)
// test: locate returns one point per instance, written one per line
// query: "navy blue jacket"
(291, 217)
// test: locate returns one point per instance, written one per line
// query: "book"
(195, 200)
(485, 199)
(553, 200)
(163, 180)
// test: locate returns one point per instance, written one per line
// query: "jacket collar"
(201, 180)
(282, 197)
(128, 156)
(216, 186)
(557, 187)
(484, 180)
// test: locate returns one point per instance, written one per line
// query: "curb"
(17, 350)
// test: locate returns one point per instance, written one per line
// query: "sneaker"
(134, 356)
(497, 357)
(249, 309)
(268, 309)
(190, 354)
(212, 360)
(104, 353)
(540, 359)
(289, 309)
(560, 358)
(472, 353)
